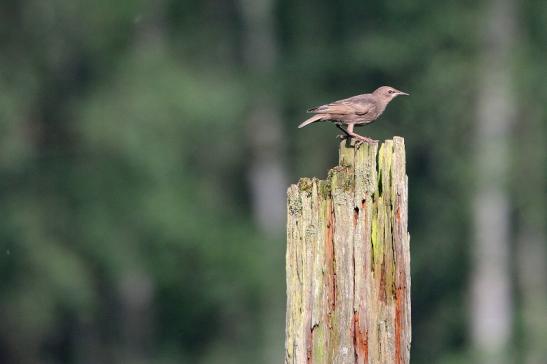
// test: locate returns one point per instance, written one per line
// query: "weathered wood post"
(348, 261)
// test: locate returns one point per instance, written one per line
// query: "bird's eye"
(391, 91)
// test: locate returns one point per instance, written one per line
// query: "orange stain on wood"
(399, 329)
(330, 279)
(360, 340)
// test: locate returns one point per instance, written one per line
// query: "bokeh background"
(146, 147)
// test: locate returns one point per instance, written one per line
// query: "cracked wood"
(348, 260)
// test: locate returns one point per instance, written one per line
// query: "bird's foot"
(361, 139)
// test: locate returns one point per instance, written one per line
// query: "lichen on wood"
(348, 260)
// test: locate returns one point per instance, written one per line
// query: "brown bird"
(355, 111)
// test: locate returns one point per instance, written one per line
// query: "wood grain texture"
(348, 260)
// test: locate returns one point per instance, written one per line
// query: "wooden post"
(348, 261)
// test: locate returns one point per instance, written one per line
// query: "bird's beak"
(402, 93)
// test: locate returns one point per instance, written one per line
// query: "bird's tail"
(311, 120)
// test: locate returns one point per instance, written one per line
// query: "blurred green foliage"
(123, 162)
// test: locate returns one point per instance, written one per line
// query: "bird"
(355, 111)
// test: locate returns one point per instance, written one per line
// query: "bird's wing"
(353, 105)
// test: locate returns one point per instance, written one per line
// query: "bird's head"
(388, 93)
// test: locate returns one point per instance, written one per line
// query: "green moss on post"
(348, 260)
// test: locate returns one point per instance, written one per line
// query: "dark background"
(146, 147)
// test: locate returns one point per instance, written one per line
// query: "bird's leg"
(346, 134)
(360, 138)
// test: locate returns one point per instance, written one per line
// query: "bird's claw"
(358, 139)
(362, 140)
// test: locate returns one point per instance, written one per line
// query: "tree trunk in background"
(135, 288)
(531, 237)
(136, 293)
(348, 261)
(267, 171)
(491, 304)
